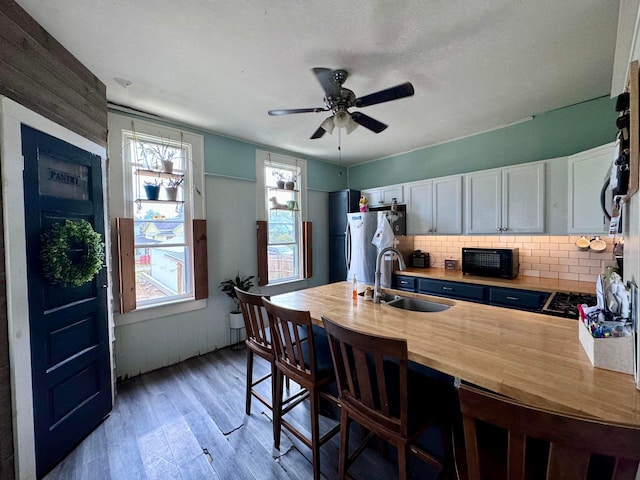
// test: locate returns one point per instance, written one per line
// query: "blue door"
(68, 325)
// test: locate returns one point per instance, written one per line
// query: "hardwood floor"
(187, 422)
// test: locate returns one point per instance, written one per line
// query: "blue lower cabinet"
(521, 299)
(404, 282)
(463, 291)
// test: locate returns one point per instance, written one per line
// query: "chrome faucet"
(403, 266)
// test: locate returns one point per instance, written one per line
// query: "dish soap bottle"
(354, 292)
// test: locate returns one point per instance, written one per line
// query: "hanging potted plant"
(227, 286)
(171, 188)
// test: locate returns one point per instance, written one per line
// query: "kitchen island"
(534, 358)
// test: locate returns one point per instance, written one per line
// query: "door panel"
(68, 325)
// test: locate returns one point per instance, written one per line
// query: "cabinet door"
(523, 199)
(483, 202)
(391, 192)
(404, 282)
(447, 205)
(419, 208)
(374, 196)
(587, 171)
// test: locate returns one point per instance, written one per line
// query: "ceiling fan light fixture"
(341, 118)
(351, 126)
(328, 125)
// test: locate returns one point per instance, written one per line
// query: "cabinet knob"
(499, 229)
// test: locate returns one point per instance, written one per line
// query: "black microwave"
(491, 262)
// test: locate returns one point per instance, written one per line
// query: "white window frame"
(121, 203)
(264, 159)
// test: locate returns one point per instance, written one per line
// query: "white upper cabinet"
(483, 202)
(384, 195)
(587, 171)
(505, 200)
(435, 206)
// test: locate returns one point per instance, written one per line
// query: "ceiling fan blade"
(393, 93)
(368, 122)
(297, 110)
(318, 133)
(326, 79)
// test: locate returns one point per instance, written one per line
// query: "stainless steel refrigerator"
(340, 203)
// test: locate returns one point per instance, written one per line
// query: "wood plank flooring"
(187, 422)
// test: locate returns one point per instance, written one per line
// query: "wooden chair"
(301, 354)
(568, 442)
(378, 391)
(258, 342)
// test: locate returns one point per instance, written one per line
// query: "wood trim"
(263, 263)
(634, 129)
(126, 263)
(307, 250)
(200, 263)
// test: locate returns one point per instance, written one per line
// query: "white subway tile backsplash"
(540, 256)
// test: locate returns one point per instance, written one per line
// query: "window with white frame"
(281, 180)
(161, 197)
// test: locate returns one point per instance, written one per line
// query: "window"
(281, 195)
(161, 197)
(159, 168)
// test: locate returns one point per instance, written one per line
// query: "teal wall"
(554, 134)
(234, 158)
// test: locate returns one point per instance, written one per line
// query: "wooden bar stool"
(378, 391)
(540, 443)
(259, 343)
(302, 354)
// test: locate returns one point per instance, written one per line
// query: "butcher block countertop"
(525, 283)
(533, 358)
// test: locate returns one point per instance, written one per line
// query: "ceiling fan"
(338, 100)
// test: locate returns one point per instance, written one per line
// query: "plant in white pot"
(171, 188)
(227, 286)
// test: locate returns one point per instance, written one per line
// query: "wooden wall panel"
(201, 269)
(39, 73)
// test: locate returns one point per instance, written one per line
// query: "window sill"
(157, 311)
(284, 287)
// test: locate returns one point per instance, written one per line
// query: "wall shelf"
(158, 174)
(282, 190)
(146, 200)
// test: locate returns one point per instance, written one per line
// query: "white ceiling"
(222, 64)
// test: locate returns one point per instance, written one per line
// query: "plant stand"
(235, 339)
(236, 325)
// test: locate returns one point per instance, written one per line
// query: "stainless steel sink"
(416, 305)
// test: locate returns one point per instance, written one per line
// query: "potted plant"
(158, 157)
(279, 178)
(290, 184)
(171, 188)
(227, 286)
(152, 188)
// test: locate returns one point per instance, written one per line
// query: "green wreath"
(72, 253)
